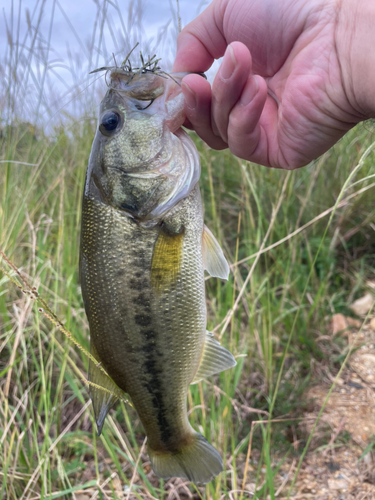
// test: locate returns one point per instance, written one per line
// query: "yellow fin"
(214, 261)
(198, 461)
(166, 260)
(102, 401)
(215, 359)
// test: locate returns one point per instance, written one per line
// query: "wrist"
(355, 44)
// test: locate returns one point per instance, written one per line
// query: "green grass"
(291, 291)
(297, 257)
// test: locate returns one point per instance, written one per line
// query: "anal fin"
(102, 400)
(215, 359)
(213, 258)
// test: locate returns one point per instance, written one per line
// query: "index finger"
(200, 42)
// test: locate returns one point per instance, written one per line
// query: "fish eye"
(110, 122)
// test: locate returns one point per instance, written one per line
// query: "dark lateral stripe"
(138, 284)
(154, 388)
(142, 300)
(143, 319)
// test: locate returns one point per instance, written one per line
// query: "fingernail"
(250, 91)
(190, 99)
(228, 65)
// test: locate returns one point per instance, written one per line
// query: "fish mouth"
(143, 87)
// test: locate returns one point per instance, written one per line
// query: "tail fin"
(198, 462)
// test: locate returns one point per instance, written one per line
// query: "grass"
(301, 245)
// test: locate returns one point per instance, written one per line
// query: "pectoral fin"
(166, 259)
(102, 401)
(215, 359)
(214, 261)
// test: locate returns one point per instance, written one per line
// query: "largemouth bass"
(144, 249)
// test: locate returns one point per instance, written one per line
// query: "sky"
(81, 16)
(55, 43)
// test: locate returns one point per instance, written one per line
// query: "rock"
(338, 484)
(363, 305)
(250, 488)
(339, 323)
(356, 323)
(116, 483)
(372, 324)
(364, 365)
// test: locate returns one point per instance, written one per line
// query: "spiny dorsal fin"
(215, 359)
(214, 261)
(102, 401)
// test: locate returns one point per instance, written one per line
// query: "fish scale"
(144, 248)
(169, 313)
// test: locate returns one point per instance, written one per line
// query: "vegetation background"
(301, 246)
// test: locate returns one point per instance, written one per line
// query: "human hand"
(282, 95)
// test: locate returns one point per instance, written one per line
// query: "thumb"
(201, 41)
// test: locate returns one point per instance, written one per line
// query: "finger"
(200, 42)
(197, 94)
(253, 123)
(187, 124)
(228, 85)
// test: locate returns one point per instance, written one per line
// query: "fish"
(144, 251)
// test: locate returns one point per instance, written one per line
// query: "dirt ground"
(340, 463)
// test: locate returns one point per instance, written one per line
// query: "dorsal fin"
(214, 261)
(215, 359)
